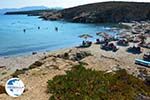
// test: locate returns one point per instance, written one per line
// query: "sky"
(51, 3)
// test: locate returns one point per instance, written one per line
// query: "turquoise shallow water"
(13, 41)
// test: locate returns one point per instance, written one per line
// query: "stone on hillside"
(36, 64)
(75, 55)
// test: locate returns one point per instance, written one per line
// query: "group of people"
(56, 29)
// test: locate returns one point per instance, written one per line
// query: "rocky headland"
(105, 12)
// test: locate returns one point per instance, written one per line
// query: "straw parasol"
(103, 34)
(124, 34)
(85, 36)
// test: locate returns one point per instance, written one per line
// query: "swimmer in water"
(38, 28)
(24, 30)
(56, 28)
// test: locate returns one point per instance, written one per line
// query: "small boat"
(142, 62)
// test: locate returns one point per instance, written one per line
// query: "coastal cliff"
(113, 12)
(105, 12)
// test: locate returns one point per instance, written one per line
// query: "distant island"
(29, 8)
(105, 12)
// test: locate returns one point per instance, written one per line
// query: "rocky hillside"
(103, 12)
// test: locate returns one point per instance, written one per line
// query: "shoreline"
(127, 51)
(13, 62)
(37, 53)
(10, 64)
(100, 60)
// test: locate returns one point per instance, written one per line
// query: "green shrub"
(87, 84)
(22, 71)
(35, 65)
(4, 73)
(19, 71)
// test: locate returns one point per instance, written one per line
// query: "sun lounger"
(85, 44)
(134, 50)
(99, 41)
(122, 43)
(142, 62)
(109, 47)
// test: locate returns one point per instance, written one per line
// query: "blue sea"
(14, 41)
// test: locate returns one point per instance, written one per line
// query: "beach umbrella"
(103, 34)
(123, 31)
(85, 36)
(124, 36)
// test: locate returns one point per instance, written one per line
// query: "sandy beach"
(121, 57)
(53, 65)
(80, 50)
(11, 63)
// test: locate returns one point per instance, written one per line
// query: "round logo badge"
(14, 87)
